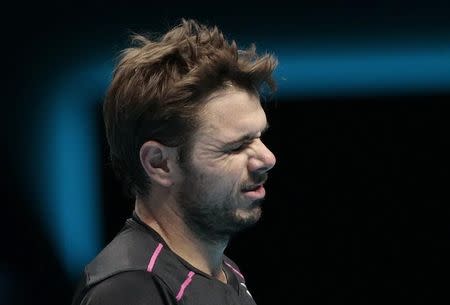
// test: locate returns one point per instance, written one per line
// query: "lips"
(256, 189)
(251, 188)
(254, 192)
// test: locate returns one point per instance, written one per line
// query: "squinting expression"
(223, 180)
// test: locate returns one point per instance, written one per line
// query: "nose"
(262, 160)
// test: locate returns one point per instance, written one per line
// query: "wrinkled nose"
(263, 160)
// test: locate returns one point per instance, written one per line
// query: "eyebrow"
(247, 137)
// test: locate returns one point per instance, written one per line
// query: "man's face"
(222, 187)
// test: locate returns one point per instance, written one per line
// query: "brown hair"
(158, 86)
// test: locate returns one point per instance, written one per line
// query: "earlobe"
(154, 159)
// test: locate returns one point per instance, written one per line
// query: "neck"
(162, 215)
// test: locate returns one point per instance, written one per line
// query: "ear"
(159, 162)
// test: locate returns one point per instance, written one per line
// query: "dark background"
(357, 206)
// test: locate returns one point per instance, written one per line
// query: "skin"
(197, 206)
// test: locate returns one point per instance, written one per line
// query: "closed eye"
(239, 147)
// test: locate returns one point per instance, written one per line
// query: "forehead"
(231, 113)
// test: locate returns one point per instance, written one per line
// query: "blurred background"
(357, 207)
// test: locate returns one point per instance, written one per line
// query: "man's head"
(222, 183)
(162, 89)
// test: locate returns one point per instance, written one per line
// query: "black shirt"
(138, 268)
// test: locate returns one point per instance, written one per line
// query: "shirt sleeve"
(130, 288)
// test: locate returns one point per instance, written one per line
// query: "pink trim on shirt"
(155, 255)
(234, 270)
(186, 283)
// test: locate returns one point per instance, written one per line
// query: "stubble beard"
(214, 219)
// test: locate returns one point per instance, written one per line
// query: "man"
(184, 123)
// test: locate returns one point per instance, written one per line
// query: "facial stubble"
(211, 215)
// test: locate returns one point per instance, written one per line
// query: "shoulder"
(234, 268)
(131, 288)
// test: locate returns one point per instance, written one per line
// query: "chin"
(248, 217)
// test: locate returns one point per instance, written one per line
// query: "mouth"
(254, 192)
(251, 187)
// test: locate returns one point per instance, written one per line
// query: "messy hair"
(160, 85)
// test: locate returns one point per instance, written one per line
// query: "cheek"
(225, 172)
(221, 182)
